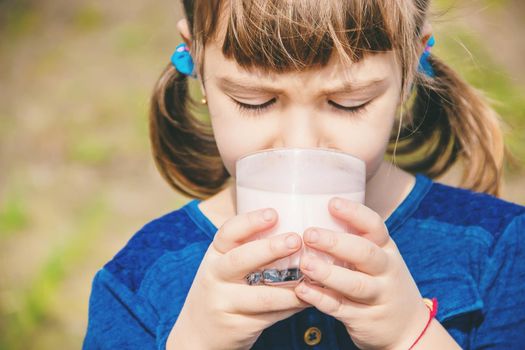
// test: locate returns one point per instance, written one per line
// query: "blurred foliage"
(89, 150)
(88, 18)
(33, 303)
(18, 18)
(13, 214)
(505, 96)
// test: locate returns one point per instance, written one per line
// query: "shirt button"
(312, 336)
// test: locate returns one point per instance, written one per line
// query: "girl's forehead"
(370, 69)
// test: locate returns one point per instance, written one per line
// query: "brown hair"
(444, 119)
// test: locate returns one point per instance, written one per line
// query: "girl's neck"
(384, 193)
(388, 187)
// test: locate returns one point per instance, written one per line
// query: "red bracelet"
(433, 307)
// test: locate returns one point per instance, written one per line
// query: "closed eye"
(352, 109)
(253, 110)
(256, 109)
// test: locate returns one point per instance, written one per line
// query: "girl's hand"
(221, 310)
(377, 300)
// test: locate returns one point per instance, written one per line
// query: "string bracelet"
(433, 308)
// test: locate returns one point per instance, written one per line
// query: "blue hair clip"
(182, 60)
(424, 65)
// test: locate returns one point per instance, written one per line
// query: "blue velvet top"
(466, 249)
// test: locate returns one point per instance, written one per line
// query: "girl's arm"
(436, 337)
(118, 318)
(501, 288)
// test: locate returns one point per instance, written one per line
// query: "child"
(355, 76)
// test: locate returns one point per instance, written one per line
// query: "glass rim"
(301, 149)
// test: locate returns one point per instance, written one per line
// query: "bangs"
(285, 35)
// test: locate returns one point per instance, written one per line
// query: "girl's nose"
(300, 130)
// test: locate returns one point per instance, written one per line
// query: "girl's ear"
(184, 30)
(426, 33)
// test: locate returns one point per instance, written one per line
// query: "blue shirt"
(464, 248)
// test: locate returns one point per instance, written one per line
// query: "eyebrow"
(346, 87)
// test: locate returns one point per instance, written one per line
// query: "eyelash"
(257, 109)
(254, 109)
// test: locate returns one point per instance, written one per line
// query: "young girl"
(434, 267)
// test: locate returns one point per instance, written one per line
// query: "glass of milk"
(298, 183)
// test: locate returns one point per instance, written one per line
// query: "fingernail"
(307, 264)
(292, 241)
(337, 203)
(312, 236)
(268, 215)
(303, 289)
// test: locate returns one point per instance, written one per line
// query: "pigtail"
(183, 146)
(452, 121)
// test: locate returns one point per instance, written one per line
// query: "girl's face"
(347, 108)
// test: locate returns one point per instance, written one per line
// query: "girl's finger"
(331, 302)
(354, 285)
(363, 220)
(254, 300)
(238, 228)
(359, 252)
(251, 256)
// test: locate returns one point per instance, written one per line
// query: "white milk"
(296, 212)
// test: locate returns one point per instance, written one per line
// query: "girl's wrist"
(182, 337)
(432, 335)
(416, 328)
(432, 306)
(436, 338)
(185, 335)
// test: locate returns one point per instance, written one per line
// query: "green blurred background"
(76, 175)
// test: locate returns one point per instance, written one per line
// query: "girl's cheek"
(237, 139)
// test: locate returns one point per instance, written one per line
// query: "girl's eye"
(254, 109)
(352, 110)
